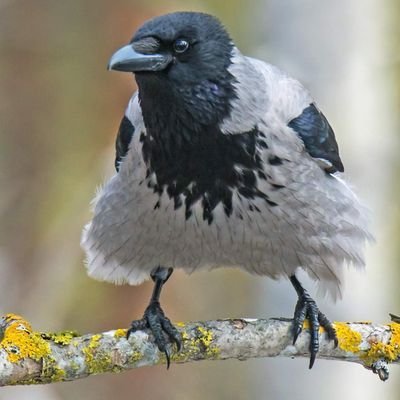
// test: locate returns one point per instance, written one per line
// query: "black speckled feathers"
(208, 170)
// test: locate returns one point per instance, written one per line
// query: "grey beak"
(127, 59)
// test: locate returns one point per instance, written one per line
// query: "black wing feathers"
(124, 137)
(318, 137)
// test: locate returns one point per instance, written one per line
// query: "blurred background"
(59, 113)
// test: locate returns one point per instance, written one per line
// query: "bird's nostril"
(148, 45)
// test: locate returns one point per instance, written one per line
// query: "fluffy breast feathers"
(270, 210)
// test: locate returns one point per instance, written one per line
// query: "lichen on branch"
(31, 357)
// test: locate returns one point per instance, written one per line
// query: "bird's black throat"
(191, 158)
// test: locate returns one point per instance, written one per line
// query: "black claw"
(178, 343)
(138, 325)
(168, 357)
(312, 360)
(329, 329)
(155, 320)
(306, 308)
(172, 333)
(296, 332)
(298, 319)
(161, 328)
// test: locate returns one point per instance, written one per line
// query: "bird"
(222, 160)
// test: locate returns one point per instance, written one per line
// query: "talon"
(297, 330)
(306, 308)
(172, 333)
(168, 357)
(155, 320)
(312, 359)
(138, 325)
(161, 328)
(178, 342)
(298, 319)
(177, 339)
(329, 329)
(336, 342)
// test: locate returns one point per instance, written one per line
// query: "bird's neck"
(187, 151)
(203, 103)
(181, 116)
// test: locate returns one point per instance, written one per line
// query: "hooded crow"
(222, 161)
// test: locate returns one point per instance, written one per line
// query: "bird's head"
(186, 56)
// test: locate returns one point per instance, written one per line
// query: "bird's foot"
(160, 326)
(306, 308)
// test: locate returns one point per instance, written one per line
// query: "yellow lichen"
(94, 343)
(62, 338)
(349, 340)
(119, 333)
(74, 366)
(198, 344)
(57, 374)
(20, 341)
(184, 334)
(206, 336)
(306, 325)
(395, 339)
(205, 340)
(389, 351)
(136, 356)
(96, 361)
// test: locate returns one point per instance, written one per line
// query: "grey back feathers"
(246, 190)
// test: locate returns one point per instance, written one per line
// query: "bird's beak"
(128, 59)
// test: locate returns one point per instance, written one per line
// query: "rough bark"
(30, 357)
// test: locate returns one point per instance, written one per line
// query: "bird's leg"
(155, 320)
(307, 308)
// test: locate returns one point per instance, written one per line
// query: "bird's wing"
(129, 122)
(124, 136)
(318, 137)
(299, 111)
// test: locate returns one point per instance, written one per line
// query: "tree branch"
(30, 357)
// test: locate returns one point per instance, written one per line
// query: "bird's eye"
(180, 45)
